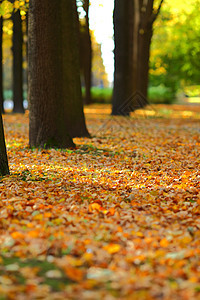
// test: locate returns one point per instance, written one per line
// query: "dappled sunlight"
(173, 111)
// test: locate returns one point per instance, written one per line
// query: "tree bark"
(123, 57)
(75, 119)
(87, 59)
(142, 32)
(1, 66)
(17, 63)
(144, 17)
(54, 89)
(4, 169)
(133, 29)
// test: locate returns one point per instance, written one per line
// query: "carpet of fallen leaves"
(115, 218)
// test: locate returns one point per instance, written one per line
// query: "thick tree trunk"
(56, 110)
(1, 66)
(17, 63)
(123, 58)
(4, 169)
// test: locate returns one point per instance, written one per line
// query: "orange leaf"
(94, 206)
(111, 211)
(17, 235)
(164, 243)
(73, 273)
(33, 233)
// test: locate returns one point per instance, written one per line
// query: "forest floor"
(115, 218)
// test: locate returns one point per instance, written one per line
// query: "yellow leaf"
(112, 248)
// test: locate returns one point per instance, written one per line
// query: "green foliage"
(161, 94)
(6, 8)
(175, 48)
(192, 91)
(100, 95)
(8, 94)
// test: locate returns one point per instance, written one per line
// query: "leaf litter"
(115, 218)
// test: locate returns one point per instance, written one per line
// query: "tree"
(123, 56)
(99, 75)
(145, 14)
(133, 27)
(54, 89)
(178, 28)
(86, 51)
(17, 63)
(1, 65)
(4, 169)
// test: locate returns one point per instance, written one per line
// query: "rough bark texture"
(1, 66)
(4, 169)
(54, 80)
(17, 63)
(123, 57)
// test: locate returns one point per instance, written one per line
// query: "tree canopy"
(176, 63)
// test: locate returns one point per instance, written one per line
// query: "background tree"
(99, 75)
(17, 63)
(85, 49)
(133, 29)
(122, 17)
(56, 110)
(177, 64)
(145, 15)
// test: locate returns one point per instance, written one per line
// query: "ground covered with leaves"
(115, 218)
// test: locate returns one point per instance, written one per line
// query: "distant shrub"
(8, 94)
(161, 95)
(101, 95)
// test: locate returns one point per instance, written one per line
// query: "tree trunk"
(133, 29)
(88, 56)
(123, 57)
(142, 32)
(144, 17)
(17, 63)
(1, 66)
(74, 116)
(4, 169)
(54, 88)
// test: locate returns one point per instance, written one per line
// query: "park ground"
(115, 218)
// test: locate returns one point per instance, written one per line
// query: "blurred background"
(174, 62)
